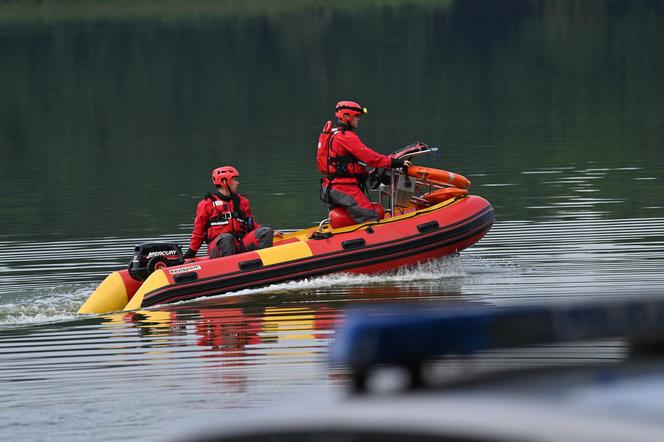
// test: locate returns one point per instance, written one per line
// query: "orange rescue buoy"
(440, 195)
(439, 176)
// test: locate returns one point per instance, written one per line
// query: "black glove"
(190, 254)
(397, 163)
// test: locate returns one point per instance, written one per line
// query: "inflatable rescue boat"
(428, 214)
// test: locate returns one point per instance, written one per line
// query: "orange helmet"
(221, 175)
(345, 110)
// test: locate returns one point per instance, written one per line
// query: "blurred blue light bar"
(406, 335)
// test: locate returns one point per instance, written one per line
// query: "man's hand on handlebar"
(398, 163)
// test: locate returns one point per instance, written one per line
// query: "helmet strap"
(223, 188)
(344, 125)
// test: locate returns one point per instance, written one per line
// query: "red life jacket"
(227, 217)
(330, 162)
(323, 151)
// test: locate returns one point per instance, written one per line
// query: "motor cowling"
(150, 256)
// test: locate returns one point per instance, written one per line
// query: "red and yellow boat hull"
(440, 230)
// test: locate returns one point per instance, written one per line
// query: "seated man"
(224, 220)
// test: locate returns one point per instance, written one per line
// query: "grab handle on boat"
(251, 264)
(185, 277)
(321, 235)
(323, 223)
(353, 243)
(428, 227)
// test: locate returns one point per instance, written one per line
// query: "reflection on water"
(574, 259)
(569, 193)
(163, 360)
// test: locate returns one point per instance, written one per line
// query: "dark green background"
(110, 127)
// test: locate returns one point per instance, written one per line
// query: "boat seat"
(339, 216)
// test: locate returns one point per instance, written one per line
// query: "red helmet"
(224, 173)
(345, 110)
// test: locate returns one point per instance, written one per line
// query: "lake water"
(109, 128)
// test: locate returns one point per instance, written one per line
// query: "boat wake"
(416, 276)
(56, 304)
(60, 303)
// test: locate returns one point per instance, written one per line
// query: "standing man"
(343, 158)
(224, 220)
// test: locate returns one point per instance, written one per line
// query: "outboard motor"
(150, 256)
